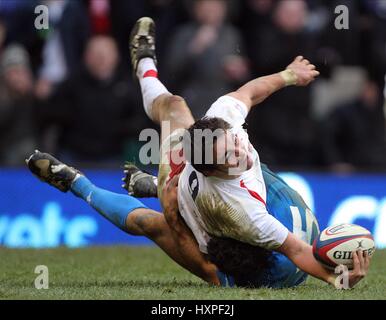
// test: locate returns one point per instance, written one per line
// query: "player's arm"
(300, 73)
(187, 246)
(300, 253)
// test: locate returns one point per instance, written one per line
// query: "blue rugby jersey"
(287, 206)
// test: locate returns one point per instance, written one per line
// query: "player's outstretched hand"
(304, 71)
(361, 266)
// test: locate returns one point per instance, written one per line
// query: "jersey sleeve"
(266, 230)
(229, 109)
(254, 223)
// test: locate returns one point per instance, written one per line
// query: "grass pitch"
(147, 273)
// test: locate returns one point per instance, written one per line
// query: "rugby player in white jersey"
(224, 198)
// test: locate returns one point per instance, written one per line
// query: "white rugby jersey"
(229, 208)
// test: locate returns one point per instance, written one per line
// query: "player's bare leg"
(159, 104)
(126, 212)
(173, 110)
(153, 225)
(164, 108)
(174, 116)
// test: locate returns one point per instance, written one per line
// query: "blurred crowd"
(69, 90)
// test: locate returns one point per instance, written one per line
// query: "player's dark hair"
(244, 262)
(196, 145)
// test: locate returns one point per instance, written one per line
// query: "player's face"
(233, 154)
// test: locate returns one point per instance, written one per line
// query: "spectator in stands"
(17, 130)
(118, 17)
(282, 126)
(16, 16)
(3, 34)
(373, 39)
(63, 49)
(344, 44)
(123, 15)
(168, 15)
(100, 16)
(354, 133)
(204, 60)
(95, 110)
(256, 15)
(284, 37)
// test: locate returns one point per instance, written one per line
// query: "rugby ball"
(335, 245)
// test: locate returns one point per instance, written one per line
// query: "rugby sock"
(113, 206)
(151, 87)
(225, 280)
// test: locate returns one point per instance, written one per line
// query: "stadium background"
(68, 90)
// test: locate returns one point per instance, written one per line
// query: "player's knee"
(177, 108)
(175, 99)
(173, 108)
(169, 101)
(176, 103)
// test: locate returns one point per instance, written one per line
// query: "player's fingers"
(366, 260)
(311, 67)
(306, 61)
(299, 58)
(361, 260)
(355, 262)
(315, 73)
